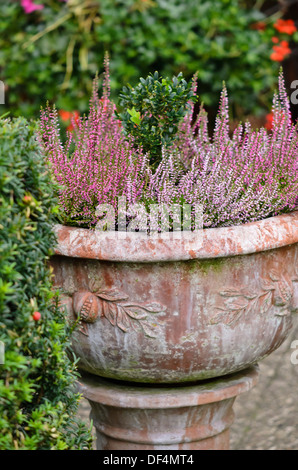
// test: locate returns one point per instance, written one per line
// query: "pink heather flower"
(234, 178)
(29, 6)
(96, 164)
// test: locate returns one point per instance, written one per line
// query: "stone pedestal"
(165, 417)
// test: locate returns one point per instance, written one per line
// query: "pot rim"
(253, 237)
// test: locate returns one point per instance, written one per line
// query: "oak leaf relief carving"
(276, 290)
(118, 310)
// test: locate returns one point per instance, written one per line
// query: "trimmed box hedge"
(38, 398)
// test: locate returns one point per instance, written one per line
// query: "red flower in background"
(260, 26)
(285, 26)
(280, 51)
(67, 116)
(269, 121)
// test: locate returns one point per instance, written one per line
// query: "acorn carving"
(283, 293)
(86, 308)
(283, 290)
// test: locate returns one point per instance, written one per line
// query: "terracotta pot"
(166, 309)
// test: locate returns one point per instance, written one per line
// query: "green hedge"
(38, 400)
(54, 53)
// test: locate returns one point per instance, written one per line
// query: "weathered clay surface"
(224, 304)
(194, 417)
(253, 237)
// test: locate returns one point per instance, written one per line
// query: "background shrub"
(53, 53)
(153, 111)
(38, 400)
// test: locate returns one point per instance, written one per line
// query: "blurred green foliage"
(54, 53)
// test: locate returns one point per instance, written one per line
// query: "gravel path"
(267, 416)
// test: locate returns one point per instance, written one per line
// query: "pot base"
(192, 417)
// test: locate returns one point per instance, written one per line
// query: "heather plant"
(234, 178)
(247, 176)
(95, 163)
